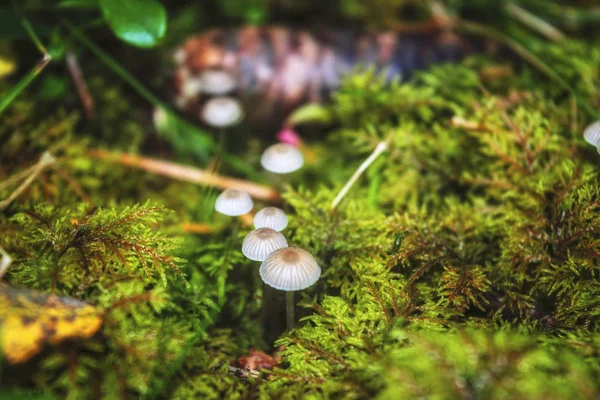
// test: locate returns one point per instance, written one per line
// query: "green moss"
(462, 264)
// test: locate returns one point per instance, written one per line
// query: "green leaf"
(141, 23)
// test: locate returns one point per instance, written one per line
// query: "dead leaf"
(253, 363)
(30, 319)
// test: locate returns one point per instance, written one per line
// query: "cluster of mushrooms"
(282, 267)
(220, 110)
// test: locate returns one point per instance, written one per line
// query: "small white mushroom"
(591, 134)
(179, 56)
(290, 269)
(282, 158)
(217, 81)
(191, 87)
(233, 202)
(261, 242)
(271, 217)
(222, 111)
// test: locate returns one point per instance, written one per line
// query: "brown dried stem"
(30, 174)
(82, 89)
(187, 174)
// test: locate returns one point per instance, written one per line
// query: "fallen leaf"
(30, 319)
(253, 363)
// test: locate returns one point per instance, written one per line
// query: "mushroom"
(271, 217)
(290, 269)
(191, 87)
(282, 158)
(217, 81)
(233, 202)
(261, 242)
(591, 134)
(221, 112)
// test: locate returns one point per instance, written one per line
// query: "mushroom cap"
(261, 242)
(191, 87)
(222, 111)
(233, 202)
(591, 134)
(217, 81)
(271, 217)
(290, 269)
(282, 158)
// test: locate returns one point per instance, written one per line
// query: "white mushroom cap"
(282, 158)
(217, 81)
(191, 87)
(233, 202)
(290, 269)
(591, 134)
(179, 56)
(271, 217)
(261, 242)
(222, 111)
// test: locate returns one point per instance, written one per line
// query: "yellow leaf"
(30, 319)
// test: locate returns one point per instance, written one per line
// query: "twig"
(534, 22)
(190, 227)
(187, 174)
(45, 161)
(4, 262)
(381, 147)
(82, 89)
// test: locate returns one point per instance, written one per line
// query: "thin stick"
(289, 309)
(191, 227)
(4, 262)
(534, 22)
(187, 174)
(82, 89)
(381, 147)
(46, 160)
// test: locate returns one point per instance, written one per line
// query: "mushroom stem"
(289, 309)
(381, 147)
(187, 174)
(235, 229)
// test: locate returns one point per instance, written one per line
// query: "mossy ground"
(463, 263)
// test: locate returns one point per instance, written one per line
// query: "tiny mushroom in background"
(217, 81)
(261, 242)
(221, 112)
(282, 158)
(271, 217)
(233, 202)
(591, 134)
(191, 87)
(290, 269)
